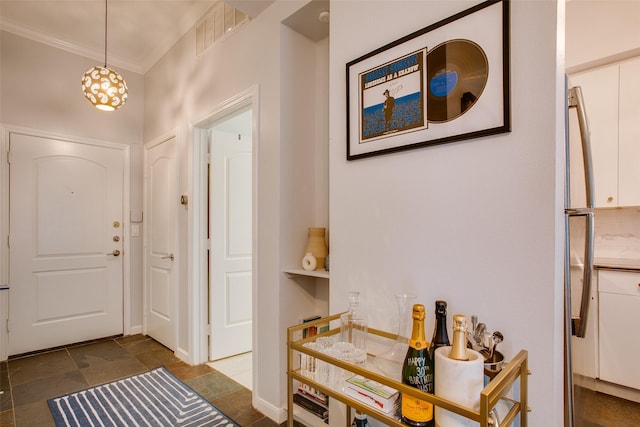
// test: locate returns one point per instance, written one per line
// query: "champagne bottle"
(417, 371)
(459, 346)
(440, 335)
(360, 420)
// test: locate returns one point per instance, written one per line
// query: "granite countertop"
(617, 263)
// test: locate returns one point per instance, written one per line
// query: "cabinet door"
(629, 138)
(600, 93)
(619, 300)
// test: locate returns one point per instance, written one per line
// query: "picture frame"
(449, 81)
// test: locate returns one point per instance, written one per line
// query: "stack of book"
(378, 396)
(313, 401)
(306, 396)
(311, 330)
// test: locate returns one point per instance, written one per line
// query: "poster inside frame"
(446, 82)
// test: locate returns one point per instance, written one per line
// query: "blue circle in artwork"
(443, 83)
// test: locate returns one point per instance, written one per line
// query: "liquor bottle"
(417, 371)
(440, 335)
(360, 420)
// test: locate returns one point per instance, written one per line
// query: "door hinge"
(7, 326)
(208, 244)
(9, 156)
(209, 330)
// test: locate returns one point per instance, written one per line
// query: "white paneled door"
(66, 242)
(230, 192)
(160, 299)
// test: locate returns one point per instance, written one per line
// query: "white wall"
(477, 223)
(304, 167)
(40, 90)
(181, 90)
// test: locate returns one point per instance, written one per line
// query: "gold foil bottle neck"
(418, 312)
(459, 323)
(459, 345)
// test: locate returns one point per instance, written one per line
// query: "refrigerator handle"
(576, 101)
(579, 325)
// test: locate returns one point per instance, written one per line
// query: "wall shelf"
(292, 273)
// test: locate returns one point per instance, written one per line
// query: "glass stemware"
(390, 362)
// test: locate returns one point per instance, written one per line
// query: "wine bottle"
(459, 346)
(440, 335)
(417, 371)
(360, 420)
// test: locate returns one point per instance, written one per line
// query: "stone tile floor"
(27, 382)
(603, 410)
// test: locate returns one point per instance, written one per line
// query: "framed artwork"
(446, 82)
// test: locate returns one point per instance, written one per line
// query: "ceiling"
(139, 31)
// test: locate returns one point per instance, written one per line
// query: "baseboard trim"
(183, 355)
(135, 330)
(279, 415)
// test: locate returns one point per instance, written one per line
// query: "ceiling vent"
(217, 24)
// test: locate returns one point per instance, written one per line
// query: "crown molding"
(114, 61)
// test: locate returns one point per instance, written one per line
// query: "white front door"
(160, 288)
(230, 232)
(66, 240)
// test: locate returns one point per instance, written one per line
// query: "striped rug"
(153, 399)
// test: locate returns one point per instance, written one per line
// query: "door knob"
(170, 256)
(114, 253)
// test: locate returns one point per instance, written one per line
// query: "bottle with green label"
(417, 371)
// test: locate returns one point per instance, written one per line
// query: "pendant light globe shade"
(104, 88)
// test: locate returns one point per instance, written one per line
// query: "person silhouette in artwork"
(389, 103)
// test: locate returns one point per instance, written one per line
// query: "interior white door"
(230, 213)
(160, 288)
(66, 211)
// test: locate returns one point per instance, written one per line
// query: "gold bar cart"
(495, 391)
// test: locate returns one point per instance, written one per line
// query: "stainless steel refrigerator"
(579, 237)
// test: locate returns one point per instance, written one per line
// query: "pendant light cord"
(105, 32)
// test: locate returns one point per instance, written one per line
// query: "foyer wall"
(477, 223)
(41, 90)
(182, 90)
(56, 106)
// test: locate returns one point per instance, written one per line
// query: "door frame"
(198, 222)
(4, 212)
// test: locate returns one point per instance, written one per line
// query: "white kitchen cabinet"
(629, 134)
(611, 96)
(600, 93)
(619, 317)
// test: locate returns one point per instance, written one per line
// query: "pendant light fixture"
(104, 87)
